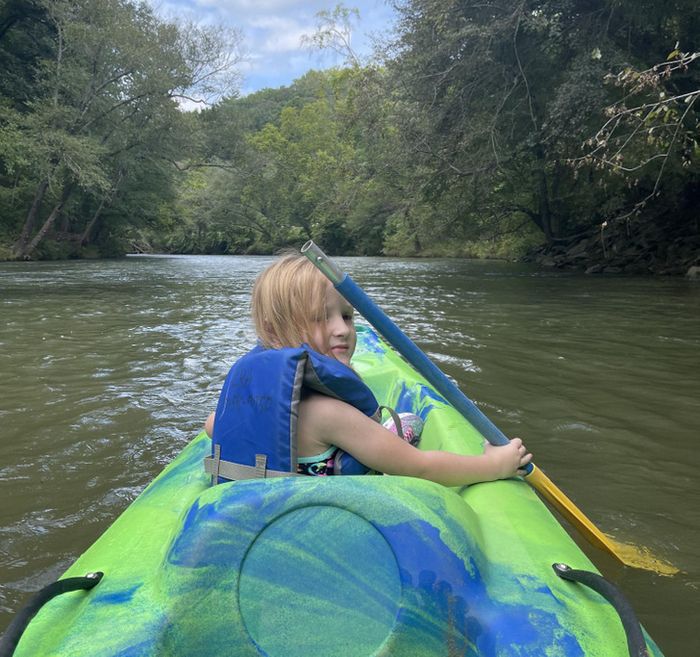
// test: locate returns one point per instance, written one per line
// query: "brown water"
(108, 368)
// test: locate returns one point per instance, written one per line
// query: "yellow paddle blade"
(629, 555)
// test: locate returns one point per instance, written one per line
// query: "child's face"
(335, 334)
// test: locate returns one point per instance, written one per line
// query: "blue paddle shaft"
(408, 349)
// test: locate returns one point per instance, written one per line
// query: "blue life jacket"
(255, 428)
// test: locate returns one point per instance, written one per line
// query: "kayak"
(349, 565)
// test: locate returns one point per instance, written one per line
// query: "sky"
(272, 31)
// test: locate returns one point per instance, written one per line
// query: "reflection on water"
(109, 368)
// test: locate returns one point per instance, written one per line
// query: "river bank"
(626, 247)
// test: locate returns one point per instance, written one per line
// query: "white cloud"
(252, 6)
(273, 30)
(286, 42)
(277, 23)
(277, 34)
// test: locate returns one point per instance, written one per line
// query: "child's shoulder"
(314, 401)
(323, 410)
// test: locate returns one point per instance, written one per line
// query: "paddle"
(626, 554)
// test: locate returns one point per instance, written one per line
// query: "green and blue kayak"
(348, 566)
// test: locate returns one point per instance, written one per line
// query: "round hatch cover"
(319, 580)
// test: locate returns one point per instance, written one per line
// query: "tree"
(496, 98)
(652, 130)
(307, 173)
(106, 102)
(334, 30)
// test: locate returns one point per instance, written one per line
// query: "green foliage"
(479, 130)
(650, 138)
(305, 174)
(500, 98)
(95, 123)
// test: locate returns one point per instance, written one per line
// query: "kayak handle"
(633, 630)
(14, 632)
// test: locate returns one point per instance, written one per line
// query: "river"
(108, 368)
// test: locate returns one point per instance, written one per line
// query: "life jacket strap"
(217, 467)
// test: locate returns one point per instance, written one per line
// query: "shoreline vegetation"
(627, 249)
(623, 250)
(564, 134)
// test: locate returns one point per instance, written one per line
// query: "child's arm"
(334, 422)
(209, 424)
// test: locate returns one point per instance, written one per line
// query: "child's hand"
(507, 460)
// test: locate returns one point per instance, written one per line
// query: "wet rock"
(578, 250)
(646, 246)
(636, 268)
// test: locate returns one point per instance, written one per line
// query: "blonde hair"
(289, 297)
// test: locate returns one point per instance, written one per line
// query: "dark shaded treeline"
(568, 129)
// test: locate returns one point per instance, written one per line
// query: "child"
(293, 304)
